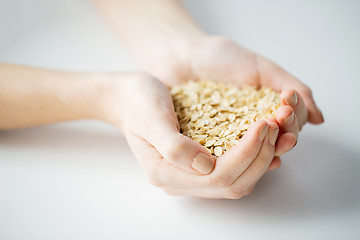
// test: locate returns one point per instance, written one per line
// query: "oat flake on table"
(217, 115)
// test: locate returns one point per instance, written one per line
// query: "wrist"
(110, 97)
(92, 91)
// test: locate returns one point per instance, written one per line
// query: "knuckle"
(156, 180)
(176, 148)
(234, 193)
(220, 181)
(287, 108)
(248, 192)
(307, 92)
(273, 125)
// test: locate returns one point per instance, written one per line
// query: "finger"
(287, 120)
(275, 163)
(164, 135)
(216, 193)
(181, 150)
(181, 180)
(230, 165)
(315, 115)
(148, 157)
(256, 169)
(261, 163)
(280, 80)
(211, 193)
(285, 142)
(250, 190)
(162, 173)
(293, 99)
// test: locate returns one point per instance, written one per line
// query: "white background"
(80, 180)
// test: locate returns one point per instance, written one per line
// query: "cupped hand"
(219, 59)
(142, 107)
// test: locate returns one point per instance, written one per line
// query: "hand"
(218, 59)
(142, 107)
(168, 44)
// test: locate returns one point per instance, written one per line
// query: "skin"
(169, 46)
(167, 43)
(33, 96)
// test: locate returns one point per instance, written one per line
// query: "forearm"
(33, 96)
(148, 28)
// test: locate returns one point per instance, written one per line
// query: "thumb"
(174, 147)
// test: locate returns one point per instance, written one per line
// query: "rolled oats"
(217, 115)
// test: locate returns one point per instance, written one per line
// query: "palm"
(219, 59)
(226, 62)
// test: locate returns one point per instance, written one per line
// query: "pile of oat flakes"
(217, 115)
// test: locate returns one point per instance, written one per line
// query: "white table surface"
(79, 180)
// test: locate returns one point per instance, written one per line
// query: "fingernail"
(263, 131)
(292, 100)
(289, 120)
(203, 163)
(273, 136)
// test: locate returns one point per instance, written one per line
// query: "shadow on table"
(65, 137)
(73, 144)
(317, 178)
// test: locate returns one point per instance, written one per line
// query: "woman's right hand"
(141, 106)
